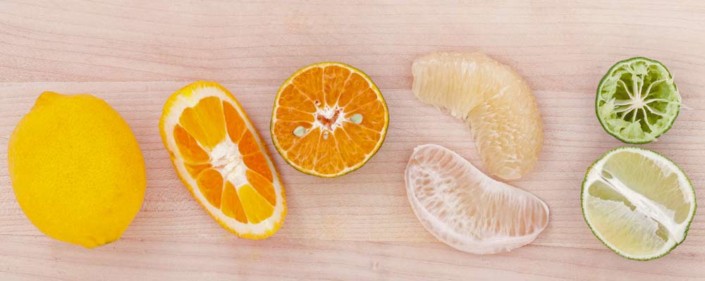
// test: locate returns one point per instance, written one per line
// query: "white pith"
(637, 101)
(643, 206)
(226, 158)
(329, 113)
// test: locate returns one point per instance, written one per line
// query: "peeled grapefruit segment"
(467, 209)
(494, 101)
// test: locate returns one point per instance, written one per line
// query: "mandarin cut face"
(329, 119)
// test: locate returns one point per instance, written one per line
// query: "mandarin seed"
(356, 118)
(325, 135)
(300, 131)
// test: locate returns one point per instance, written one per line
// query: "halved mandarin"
(222, 160)
(329, 119)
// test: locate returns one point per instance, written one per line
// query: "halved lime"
(637, 202)
(637, 100)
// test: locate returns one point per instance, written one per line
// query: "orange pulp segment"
(222, 160)
(329, 119)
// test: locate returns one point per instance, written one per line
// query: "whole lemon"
(77, 170)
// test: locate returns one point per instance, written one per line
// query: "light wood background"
(358, 227)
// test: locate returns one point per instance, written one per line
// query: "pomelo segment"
(468, 210)
(494, 101)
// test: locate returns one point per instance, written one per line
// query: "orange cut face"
(222, 160)
(329, 119)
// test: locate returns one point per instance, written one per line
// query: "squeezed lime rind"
(654, 132)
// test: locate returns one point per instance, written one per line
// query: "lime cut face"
(638, 203)
(637, 100)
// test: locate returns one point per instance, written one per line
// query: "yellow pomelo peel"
(77, 169)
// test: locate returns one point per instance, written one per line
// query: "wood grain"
(358, 227)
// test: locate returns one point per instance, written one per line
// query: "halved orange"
(222, 160)
(329, 119)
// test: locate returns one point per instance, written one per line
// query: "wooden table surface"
(134, 54)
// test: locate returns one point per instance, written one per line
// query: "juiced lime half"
(637, 202)
(637, 100)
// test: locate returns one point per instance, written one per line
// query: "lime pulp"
(638, 203)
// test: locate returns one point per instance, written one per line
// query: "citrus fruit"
(637, 202)
(467, 209)
(637, 100)
(329, 119)
(493, 100)
(76, 169)
(222, 160)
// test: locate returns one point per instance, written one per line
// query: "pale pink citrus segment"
(467, 209)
